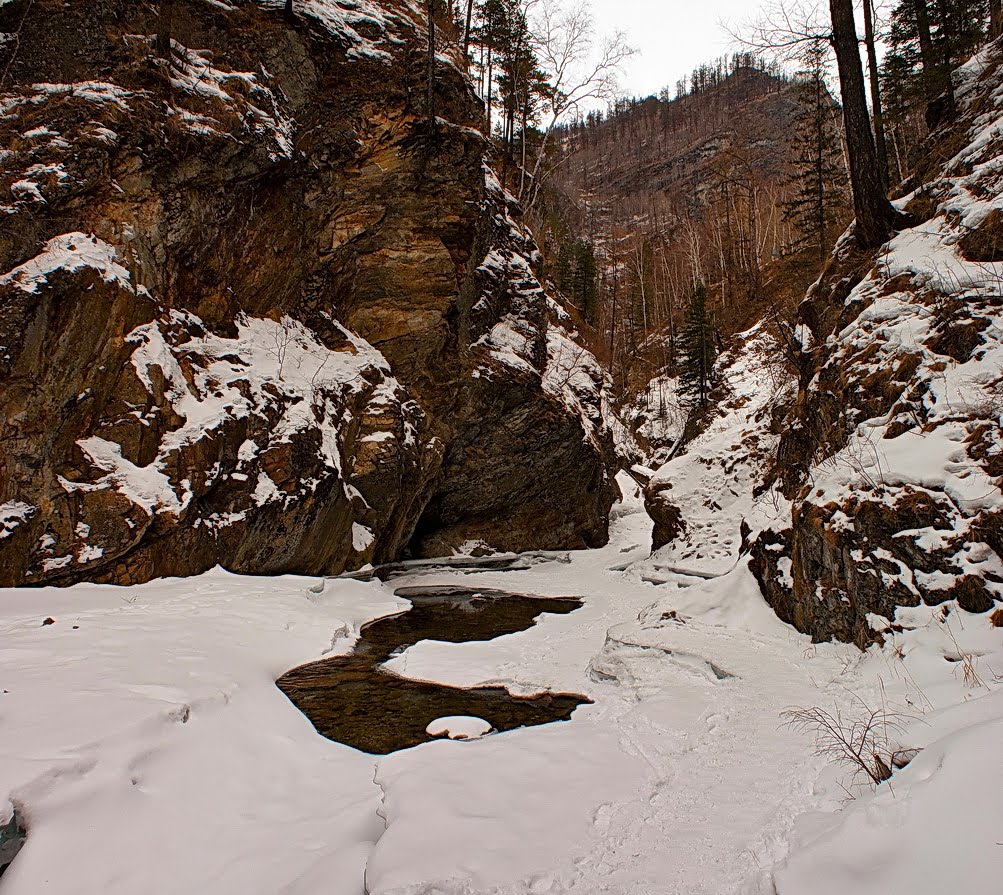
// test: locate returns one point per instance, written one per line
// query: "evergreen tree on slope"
(817, 175)
(697, 350)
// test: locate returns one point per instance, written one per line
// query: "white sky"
(672, 36)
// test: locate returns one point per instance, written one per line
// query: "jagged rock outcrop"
(893, 451)
(255, 312)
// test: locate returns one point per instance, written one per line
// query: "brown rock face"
(246, 306)
(892, 453)
(868, 555)
(668, 518)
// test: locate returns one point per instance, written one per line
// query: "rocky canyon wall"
(255, 311)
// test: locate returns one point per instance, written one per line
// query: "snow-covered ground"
(147, 750)
(713, 480)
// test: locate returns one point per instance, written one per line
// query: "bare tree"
(784, 29)
(578, 71)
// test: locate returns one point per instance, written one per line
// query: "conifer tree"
(817, 175)
(577, 275)
(874, 213)
(697, 350)
(927, 40)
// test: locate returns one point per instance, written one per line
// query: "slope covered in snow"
(704, 498)
(891, 450)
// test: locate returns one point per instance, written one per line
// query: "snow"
(241, 374)
(153, 752)
(355, 21)
(271, 366)
(145, 486)
(97, 92)
(458, 727)
(70, 252)
(712, 480)
(511, 343)
(273, 380)
(516, 343)
(574, 376)
(27, 188)
(916, 369)
(657, 415)
(362, 537)
(906, 837)
(12, 514)
(245, 95)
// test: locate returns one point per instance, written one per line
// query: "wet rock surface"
(352, 700)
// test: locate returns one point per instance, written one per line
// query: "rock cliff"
(892, 452)
(255, 311)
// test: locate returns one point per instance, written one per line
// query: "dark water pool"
(352, 700)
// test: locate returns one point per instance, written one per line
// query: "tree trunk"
(490, 84)
(945, 62)
(163, 43)
(880, 145)
(922, 15)
(431, 62)
(522, 137)
(820, 147)
(873, 210)
(289, 9)
(466, 32)
(995, 18)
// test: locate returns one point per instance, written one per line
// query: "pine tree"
(490, 35)
(874, 213)
(577, 275)
(817, 175)
(927, 40)
(697, 350)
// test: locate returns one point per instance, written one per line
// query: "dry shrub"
(862, 742)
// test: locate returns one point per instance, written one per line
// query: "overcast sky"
(672, 36)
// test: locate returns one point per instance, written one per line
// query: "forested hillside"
(717, 185)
